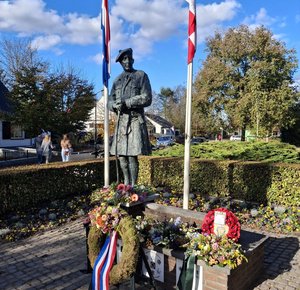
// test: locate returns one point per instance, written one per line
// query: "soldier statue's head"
(125, 59)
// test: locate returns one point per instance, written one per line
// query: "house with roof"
(157, 125)
(11, 135)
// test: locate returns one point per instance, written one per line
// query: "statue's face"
(127, 63)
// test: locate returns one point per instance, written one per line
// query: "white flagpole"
(192, 43)
(106, 74)
(187, 144)
(106, 137)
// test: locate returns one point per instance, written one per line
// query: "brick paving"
(56, 260)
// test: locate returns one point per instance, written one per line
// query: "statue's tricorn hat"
(122, 52)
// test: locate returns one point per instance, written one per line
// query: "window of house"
(6, 130)
(16, 132)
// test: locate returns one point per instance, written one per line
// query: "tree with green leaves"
(56, 101)
(247, 80)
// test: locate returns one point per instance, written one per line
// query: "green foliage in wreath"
(126, 267)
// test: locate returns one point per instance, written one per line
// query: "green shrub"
(25, 186)
(273, 151)
(260, 182)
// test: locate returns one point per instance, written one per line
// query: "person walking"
(39, 151)
(130, 94)
(46, 148)
(66, 148)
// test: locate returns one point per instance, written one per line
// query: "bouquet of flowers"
(106, 218)
(121, 193)
(172, 233)
(216, 250)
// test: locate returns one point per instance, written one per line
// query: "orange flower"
(134, 197)
(99, 222)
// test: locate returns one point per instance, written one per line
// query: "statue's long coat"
(134, 89)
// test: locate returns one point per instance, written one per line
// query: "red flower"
(121, 187)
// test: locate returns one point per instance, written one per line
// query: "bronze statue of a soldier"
(130, 94)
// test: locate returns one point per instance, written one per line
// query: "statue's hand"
(118, 106)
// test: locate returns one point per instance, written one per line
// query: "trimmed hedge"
(260, 182)
(22, 187)
(25, 186)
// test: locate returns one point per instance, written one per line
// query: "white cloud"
(97, 58)
(28, 17)
(260, 18)
(81, 29)
(145, 22)
(211, 17)
(45, 42)
(151, 21)
(137, 24)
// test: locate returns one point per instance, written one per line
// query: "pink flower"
(215, 246)
(128, 187)
(105, 189)
(121, 187)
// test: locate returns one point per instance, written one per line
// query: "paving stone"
(53, 260)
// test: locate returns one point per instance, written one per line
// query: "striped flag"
(192, 41)
(106, 42)
(104, 263)
(98, 265)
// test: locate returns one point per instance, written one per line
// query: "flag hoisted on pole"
(106, 75)
(192, 33)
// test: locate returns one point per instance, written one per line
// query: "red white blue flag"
(192, 30)
(106, 42)
(104, 263)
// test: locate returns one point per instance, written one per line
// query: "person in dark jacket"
(130, 94)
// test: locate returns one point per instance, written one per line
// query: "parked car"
(163, 141)
(236, 138)
(198, 140)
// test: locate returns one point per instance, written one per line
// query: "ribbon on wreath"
(104, 263)
(186, 277)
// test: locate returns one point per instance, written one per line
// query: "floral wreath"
(105, 219)
(231, 221)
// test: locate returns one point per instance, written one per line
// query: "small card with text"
(220, 228)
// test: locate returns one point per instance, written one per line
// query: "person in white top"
(66, 148)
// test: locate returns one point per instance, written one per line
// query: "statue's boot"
(125, 169)
(134, 170)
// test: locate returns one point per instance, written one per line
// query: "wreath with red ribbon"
(234, 227)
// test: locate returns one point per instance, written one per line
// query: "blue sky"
(68, 31)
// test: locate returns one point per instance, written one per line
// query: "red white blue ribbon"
(104, 263)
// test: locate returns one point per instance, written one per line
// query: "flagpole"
(187, 145)
(106, 137)
(105, 27)
(192, 43)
